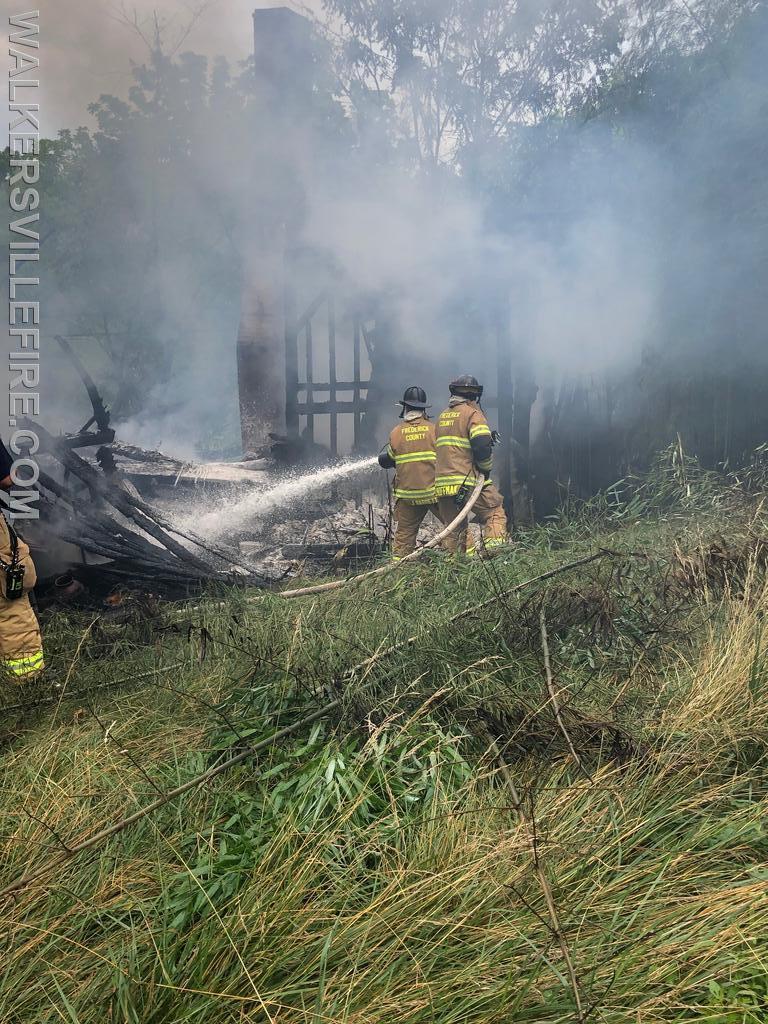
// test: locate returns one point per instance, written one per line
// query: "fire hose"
(322, 588)
(463, 515)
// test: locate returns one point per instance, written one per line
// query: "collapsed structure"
(317, 360)
(120, 517)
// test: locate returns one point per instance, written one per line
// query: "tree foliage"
(463, 73)
(647, 113)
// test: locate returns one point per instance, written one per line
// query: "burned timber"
(113, 515)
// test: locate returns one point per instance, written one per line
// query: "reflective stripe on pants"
(24, 666)
(446, 486)
(488, 510)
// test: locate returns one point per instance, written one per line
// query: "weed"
(372, 867)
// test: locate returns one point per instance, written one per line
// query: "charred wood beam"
(116, 497)
(85, 439)
(312, 308)
(308, 408)
(133, 573)
(112, 472)
(97, 533)
(503, 458)
(100, 412)
(356, 396)
(105, 531)
(291, 364)
(148, 525)
(56, 488)
(136, 454)
(143, 563)
(100, 535)
(112, 552)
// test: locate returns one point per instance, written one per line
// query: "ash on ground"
(348, 538)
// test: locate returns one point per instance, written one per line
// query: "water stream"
(231, 518)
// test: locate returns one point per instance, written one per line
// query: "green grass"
(372, 868)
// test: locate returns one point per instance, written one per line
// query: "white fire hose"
(414, 555)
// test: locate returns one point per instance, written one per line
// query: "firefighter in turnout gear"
(21, 645)
(411, 453)
(464, 445)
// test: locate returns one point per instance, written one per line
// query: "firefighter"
(464, 444)
(411, 452)
(21, 645)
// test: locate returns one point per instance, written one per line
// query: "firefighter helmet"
(415, 398)
(466, 386)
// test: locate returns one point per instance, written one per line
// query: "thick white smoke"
(598, 252)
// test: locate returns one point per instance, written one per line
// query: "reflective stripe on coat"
(455, 428)
(412, 448)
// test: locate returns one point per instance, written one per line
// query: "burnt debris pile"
(96, 519)
(118, 517)
(93, 505)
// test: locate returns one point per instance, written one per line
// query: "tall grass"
(373, 868)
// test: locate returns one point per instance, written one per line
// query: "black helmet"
(415, 398)
(466, 386)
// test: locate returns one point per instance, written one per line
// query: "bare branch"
(553, 692)
(529, 822)
(153, 29)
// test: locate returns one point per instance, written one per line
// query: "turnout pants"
(408, 519)
(21, 645)
(488, 511)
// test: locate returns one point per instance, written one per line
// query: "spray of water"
(237, 516)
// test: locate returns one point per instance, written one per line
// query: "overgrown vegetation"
(376, 866)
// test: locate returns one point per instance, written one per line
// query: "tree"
(148, 220)
(140, 245)
(462, 74)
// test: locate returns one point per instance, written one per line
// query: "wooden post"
(284, 69)
(516, 397)
(291, 365)
(356, 379)
(525, 395)
(310, 371)
(332, 374)
(502, 456)
(260, 338)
